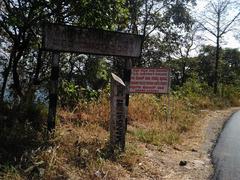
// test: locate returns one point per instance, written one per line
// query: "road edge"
(217, 135)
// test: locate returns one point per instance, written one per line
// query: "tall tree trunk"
(217, 55)
(216, 67)
(16, 81)
(6, 73)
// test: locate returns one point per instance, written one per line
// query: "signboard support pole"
(127, 78)
(53, 91)
(118, 114)
(169, 90)
(168, 112)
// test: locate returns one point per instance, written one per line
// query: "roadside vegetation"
(79, 148)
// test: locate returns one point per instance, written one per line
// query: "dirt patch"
(191, 159)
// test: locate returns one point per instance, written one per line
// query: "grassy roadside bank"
(78, 150)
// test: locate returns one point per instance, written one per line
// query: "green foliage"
(195, 94)
(206, 64)
(232, 93)
(96, 73)
(20, 27)
(87, 87)
(230, 67)
(179, 15)
(106, 14)
(193, 87)
(198, 95)
(90, 94)
(71, 94)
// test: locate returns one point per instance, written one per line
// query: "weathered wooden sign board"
(150, 80)
(63, 38)
(90, 41)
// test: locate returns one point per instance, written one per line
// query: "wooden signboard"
(90, 41)
(64, 38)
(150, 80)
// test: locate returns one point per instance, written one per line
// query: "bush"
(196, 95)
(71, 94)
(232, 93)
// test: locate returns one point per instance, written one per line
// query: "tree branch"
(207, 29)
(229, 24)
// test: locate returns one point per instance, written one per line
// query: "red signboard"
(150, 80)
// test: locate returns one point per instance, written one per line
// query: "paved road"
(226, 155)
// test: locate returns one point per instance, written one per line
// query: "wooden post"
(127, 77)
(53, 91)
(118, 114)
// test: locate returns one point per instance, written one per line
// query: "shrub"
(71, 94)
(232, 93)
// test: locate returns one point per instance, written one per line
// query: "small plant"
(131, 156)
(69, 94)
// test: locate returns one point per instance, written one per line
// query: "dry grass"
(79, 147)
(158, 124)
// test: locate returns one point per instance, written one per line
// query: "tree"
(20, 26)
(231, 66)
(158, 21)
(187, 43)
(205, 67)
(218, 21)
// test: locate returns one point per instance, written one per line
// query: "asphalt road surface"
(226, 155)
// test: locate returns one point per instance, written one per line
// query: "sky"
(229, 40)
